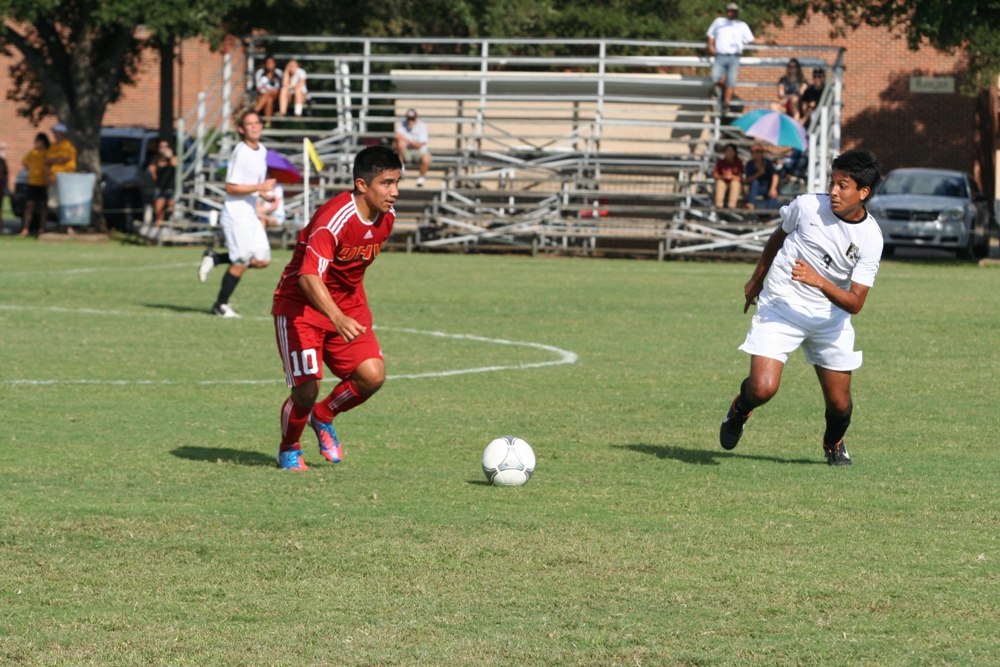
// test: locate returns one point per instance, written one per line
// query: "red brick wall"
(880, 113)
(138, 106)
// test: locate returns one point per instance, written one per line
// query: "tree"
(971, 26)
(78, 54)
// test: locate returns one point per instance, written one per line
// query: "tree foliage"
(78, 54)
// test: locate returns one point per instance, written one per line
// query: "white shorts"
(827, 342)
(245, 239)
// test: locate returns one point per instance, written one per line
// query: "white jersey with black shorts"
(245, 235)
(791, 314)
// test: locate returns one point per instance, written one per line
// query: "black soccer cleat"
(732, 428)
(836, 455)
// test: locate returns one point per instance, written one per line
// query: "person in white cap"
(726, 38)
(411, 143)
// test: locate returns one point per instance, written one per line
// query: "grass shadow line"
(223, 455)
(177, 309)
(706, 456)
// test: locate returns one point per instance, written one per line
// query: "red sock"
(293, 421)
(343, 397)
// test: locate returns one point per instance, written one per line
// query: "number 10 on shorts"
(304, 363)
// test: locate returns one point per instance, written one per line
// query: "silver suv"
(932, 208)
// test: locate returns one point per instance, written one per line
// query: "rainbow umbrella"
(773, 127)
(282, 170)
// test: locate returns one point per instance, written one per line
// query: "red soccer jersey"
(336, 245)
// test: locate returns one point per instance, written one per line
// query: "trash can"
(76, 198)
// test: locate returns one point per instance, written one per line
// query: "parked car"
(932, 208)
(126, 183)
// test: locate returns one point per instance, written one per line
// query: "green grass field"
(145, 523)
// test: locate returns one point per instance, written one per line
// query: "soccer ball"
(508, 461)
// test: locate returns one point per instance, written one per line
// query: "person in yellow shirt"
(61, 157)
(38, 183)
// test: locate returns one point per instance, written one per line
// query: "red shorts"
(304, 348)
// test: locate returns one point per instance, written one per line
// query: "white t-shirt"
(298, 75)
(264, 83)
(730, 35)
(842, 252)
(417, 133)
(246, 167)
(279, 199)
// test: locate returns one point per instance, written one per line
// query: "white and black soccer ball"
(508, 461)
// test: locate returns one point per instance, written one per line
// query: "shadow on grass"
(178, 309)
(478, 482)
(223, 455)
(706, 456)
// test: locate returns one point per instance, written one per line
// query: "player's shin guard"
(293, 422)
(743, 405)
(229, 283)
(344, 397)
(836, 425)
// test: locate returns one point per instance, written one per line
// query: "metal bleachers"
(578, 146)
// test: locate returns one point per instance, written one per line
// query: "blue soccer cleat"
(329, 445)
(291, 459)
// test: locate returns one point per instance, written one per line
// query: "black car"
(126, 183)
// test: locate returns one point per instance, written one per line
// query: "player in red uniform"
(321, 312)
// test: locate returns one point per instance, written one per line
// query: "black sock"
(229, 283)
(743, 405)
(836, 426)
(221, 258)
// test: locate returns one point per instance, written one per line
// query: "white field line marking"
(565, 356)
(96, 269)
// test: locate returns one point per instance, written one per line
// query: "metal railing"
(562, 116)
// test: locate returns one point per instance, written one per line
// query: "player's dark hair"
(42, 137)
(373, 160)
(861, 166)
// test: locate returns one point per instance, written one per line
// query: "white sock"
(298, 109)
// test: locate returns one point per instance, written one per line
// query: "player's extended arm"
(239, 189)
(319, 297)
(756, 283)
(851, 300)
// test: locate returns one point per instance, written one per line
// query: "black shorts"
(37, 193)
(165, 193)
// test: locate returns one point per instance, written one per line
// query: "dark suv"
(125, 179)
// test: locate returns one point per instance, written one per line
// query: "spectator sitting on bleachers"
(728, 178)
(790, 89)
(410, 144)
(272, 213)
(293, 87)
(811, 97)
(763, 180)
(268, 80)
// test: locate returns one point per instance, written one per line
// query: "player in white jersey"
(819, 264)
(246, 240)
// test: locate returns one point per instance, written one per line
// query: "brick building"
(194, 69)
(905, 105)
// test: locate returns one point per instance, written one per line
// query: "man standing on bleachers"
(411, 143)
(726, 39)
